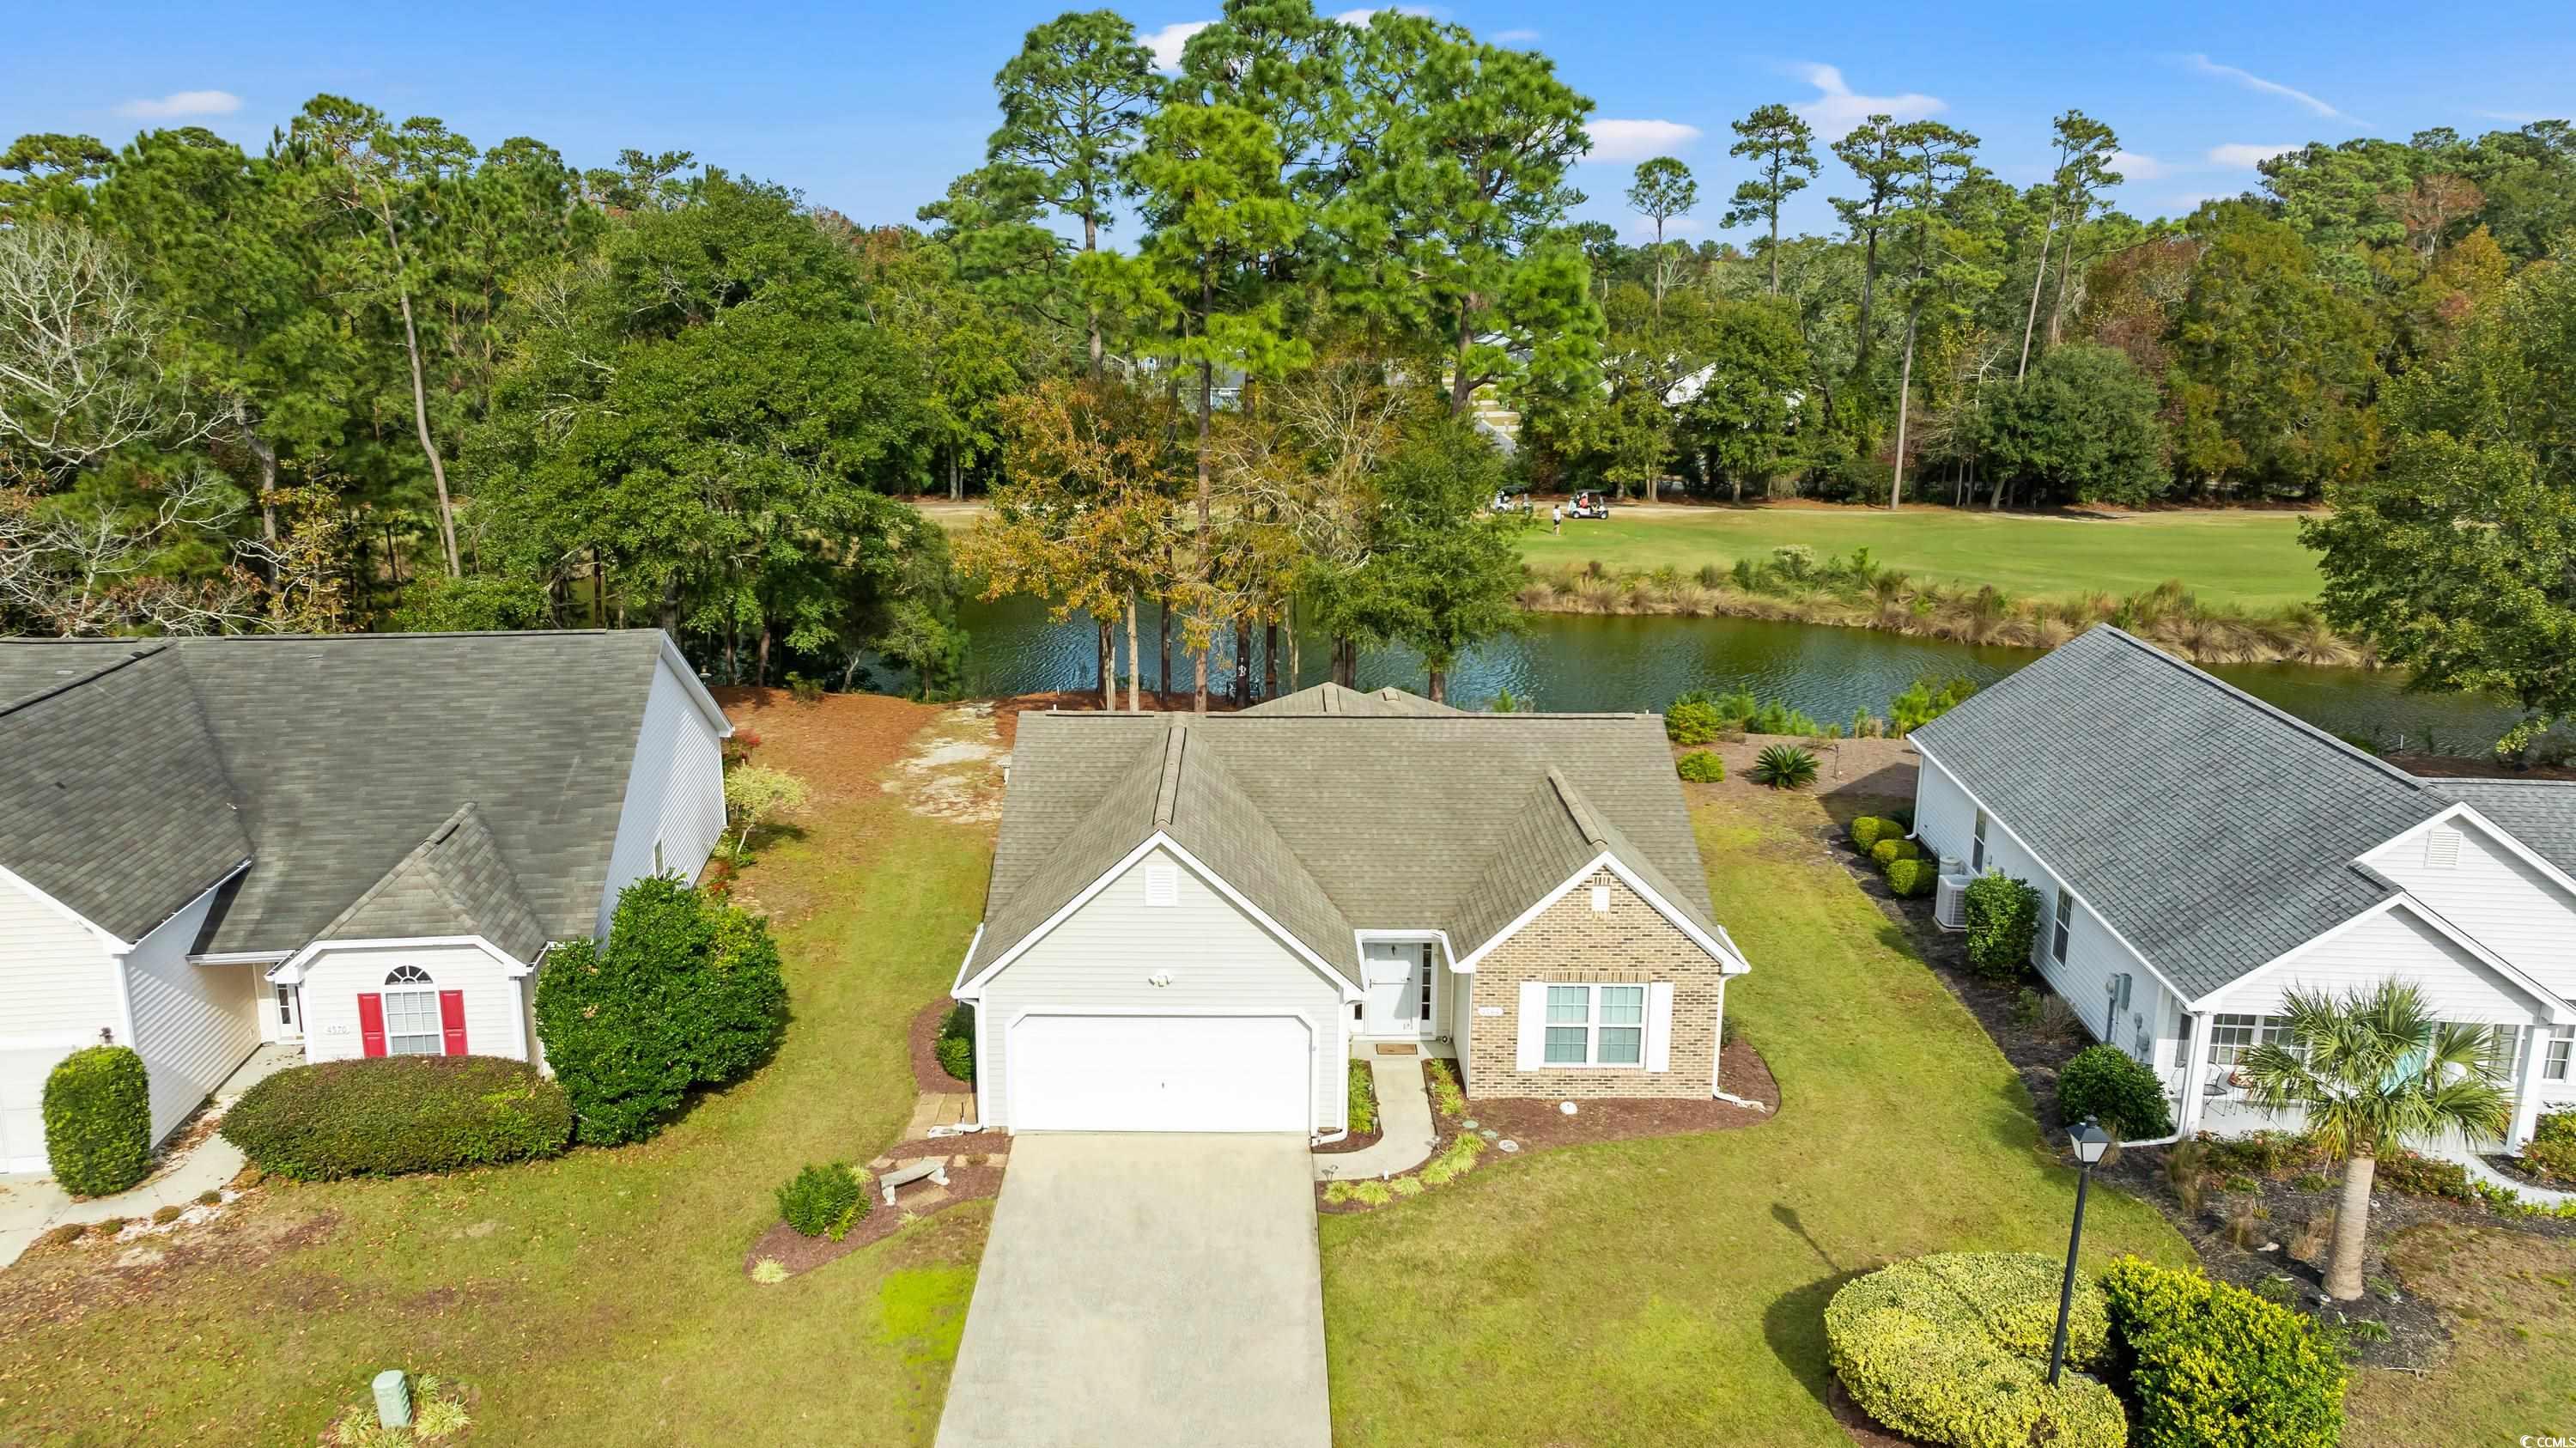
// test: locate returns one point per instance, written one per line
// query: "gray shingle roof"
(344, 754)
(2541, 813)
(113, 798)
(455, 883)
(1401, 819)
(2210, 829)
(1331, 698)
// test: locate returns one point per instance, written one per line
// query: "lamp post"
(2089, 1141)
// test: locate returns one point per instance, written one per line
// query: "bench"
(933, 1170)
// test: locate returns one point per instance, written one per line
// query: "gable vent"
(2442, 849)
(1162, 885)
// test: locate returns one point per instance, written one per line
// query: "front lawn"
(598, 1298)
(1671, 1290)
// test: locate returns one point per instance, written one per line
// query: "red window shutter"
(371, 1022)
(451, 1020)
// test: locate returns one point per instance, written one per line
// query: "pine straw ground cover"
(604, 1288)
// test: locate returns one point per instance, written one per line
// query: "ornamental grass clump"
(1953, 1349)
(824, 1201)
(98, 1121)
(2211, 1365)
(1363, 1099)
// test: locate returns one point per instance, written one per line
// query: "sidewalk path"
(1403, 1114)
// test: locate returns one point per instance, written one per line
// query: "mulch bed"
(2512, 1167)
(1539, 1124)
(967, 1182)
(1860, 1426)
(928, 1076)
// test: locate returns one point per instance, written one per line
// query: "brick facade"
(1571, 944)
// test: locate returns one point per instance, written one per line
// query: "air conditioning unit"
(1950, 896)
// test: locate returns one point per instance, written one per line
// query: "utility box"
(393, 1398)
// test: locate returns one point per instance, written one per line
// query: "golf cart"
(1511, 500)
(1590, 504)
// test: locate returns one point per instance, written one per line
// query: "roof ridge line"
(1579, 809)
(2194, 671)
(12, 706)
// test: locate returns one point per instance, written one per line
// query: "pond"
(1587, 662)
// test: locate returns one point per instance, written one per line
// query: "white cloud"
(1836, 110)
(1515, 37)
(2245, 156)
(2251, 81)
(1166, 43)
(2134, 167)
(182, 103)
(1637, 140)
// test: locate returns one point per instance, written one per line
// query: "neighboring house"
(1193, 920)
(361, 843)
(2199, 853)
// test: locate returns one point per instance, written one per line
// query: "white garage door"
(1160, 1073)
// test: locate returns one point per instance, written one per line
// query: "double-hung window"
(1977, 846)
(2562, 1044)
(1596, 1025)
(411, 1014)
(2231, 1037)
(2065, 925)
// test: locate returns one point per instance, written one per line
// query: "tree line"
(372, 375)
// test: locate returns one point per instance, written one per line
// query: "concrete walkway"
(1403, 1118)
(1146, 1291)
(31, 1205)
(2538, 1196)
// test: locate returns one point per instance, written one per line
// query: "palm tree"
(2373, 1070)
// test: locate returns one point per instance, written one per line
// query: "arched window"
(411, 1013)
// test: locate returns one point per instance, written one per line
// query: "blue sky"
(872, 108)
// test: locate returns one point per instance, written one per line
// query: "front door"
(1399, 989)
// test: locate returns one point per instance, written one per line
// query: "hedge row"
(2211, 1365)
(1953, 1349)
(395, 1114)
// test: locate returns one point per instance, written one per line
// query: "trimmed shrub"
(2003, 920)
(685, 992)
(98, 1121)
(955, 1047)
(823, 1201)
(395, 1114)
(1784, 766)
(1363, 1099)
(1701, 766)
(2211, 1365)
(1691, 722)
(2110, 1086)
(1953, 1349)
(1868, 830)
(1914, 876)
(1894, 848)
(2266, 1151)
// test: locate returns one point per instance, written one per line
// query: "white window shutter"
(1532, 1054)
(1659, 1026)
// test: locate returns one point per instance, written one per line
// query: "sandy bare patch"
(953, 769)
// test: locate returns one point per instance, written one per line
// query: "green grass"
(2509, 1299)
(2247, 558)
(1672, 1291)
(599, 1298)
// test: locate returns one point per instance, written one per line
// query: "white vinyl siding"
(57, 990)
(2393, 944)
(1104, 956)
(192, 1023)
(674, 811)
(2492, 895)
(2093, 956)
(334, 979)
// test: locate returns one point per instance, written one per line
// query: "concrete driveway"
(1139, 1291)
